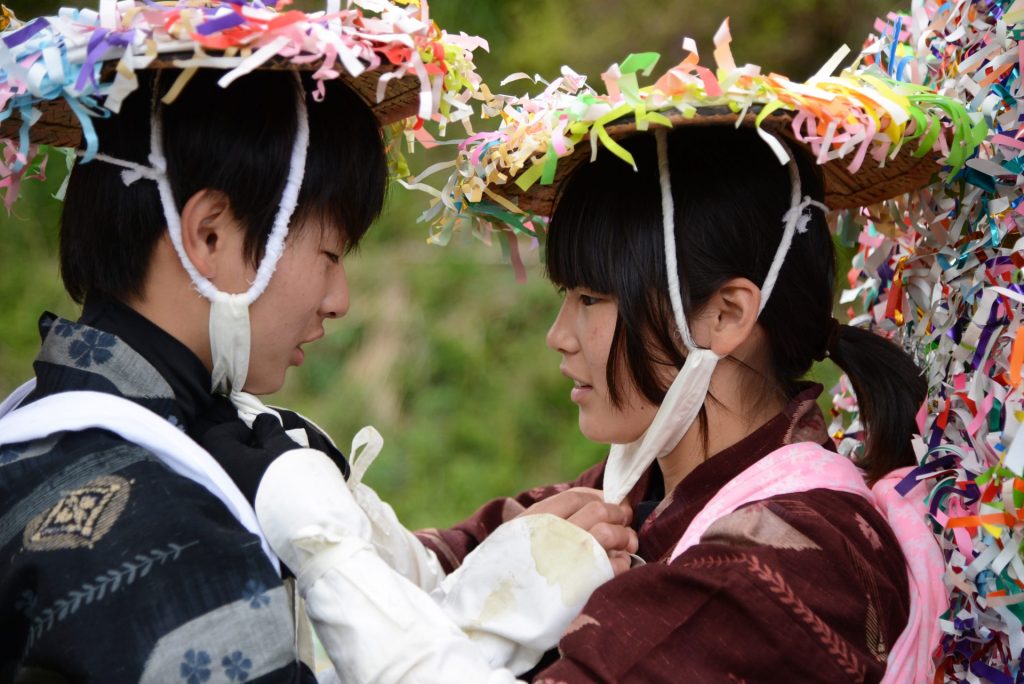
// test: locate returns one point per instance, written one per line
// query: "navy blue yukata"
(114, 568)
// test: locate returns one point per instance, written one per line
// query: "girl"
(804, 586)
(698, 291)
(698, 281)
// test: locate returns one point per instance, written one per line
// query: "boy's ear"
(731, 315)
(210, 234)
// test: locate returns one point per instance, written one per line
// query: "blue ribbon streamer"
(92, 143)
(895, 42)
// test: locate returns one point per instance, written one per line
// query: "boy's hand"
(246, 454)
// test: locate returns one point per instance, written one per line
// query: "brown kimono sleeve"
(822, 603)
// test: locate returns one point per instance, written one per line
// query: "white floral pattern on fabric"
(213, 648)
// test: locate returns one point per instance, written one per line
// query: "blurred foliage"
(442, 351)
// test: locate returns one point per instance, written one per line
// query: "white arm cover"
(507, 604)
(397, 545)
(517, 592)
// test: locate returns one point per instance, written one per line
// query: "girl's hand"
(607, 523)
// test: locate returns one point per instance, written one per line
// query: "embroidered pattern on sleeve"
(777, 586)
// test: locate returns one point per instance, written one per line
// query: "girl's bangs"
(589, 239)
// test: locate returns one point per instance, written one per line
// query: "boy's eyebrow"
(332, 233)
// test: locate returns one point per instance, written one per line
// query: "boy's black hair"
(235, 140)
(730, 195)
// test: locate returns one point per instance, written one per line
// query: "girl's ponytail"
(889, 389)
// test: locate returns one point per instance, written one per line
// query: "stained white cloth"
(508, 603)
(390, 538)
(517, 593)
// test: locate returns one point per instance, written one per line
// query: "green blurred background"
(442, 350)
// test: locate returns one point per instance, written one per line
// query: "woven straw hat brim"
(843, 190)
(59, 127)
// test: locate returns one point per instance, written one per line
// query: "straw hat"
(871, 184)
(874, 137)
(81, 62)
(58, 126)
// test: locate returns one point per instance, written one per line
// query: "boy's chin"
(264, 385)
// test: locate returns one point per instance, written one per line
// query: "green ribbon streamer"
(643, 62)
(527, 178)
(613, 147)
(515, 221)
(550, 166)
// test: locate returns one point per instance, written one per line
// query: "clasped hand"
(608, 523)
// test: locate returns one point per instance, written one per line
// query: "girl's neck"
(731, 417)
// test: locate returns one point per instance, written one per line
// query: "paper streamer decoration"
(57, 73)
(875, 135)
(939, 271)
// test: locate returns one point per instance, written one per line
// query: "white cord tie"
(795, 221)
(366, 447)
(668, 214)
(229, 322)
(132, 171)
(804, 216)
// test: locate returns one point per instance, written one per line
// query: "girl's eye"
(334, 258)
(588, 300)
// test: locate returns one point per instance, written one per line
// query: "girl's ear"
(211, 236)
(731, 314)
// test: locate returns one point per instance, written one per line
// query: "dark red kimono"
(796, 588)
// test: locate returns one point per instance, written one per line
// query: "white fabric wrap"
(249, 407)
(627, 462)
(229, 342)
(395, 544)
(510, 601)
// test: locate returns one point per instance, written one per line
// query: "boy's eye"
(334, 258)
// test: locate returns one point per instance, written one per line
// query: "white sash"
(75, 411)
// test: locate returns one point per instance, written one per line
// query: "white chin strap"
(230, 331)
(686, 395)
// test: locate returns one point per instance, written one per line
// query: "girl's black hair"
(236, 140)
(730, 195)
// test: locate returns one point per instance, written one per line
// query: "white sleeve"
(508, 603)
(518, 591)
(396, 544)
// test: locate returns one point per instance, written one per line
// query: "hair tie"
(831, 342)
